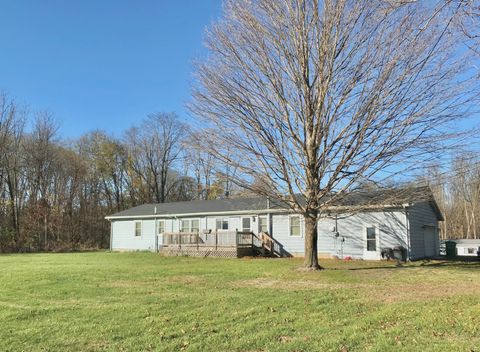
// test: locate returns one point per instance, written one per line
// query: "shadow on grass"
(71, 251)
(459, 264)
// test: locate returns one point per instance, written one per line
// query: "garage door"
(430, 241)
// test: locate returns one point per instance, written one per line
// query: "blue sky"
(101, 63)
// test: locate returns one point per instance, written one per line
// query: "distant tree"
(40, 149)
(155, 147)
(213, 177)
(12, 163)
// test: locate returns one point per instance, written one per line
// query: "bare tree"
(213, 177)
(40, 161)
(465, 184)
(201, 165)
(314, 96)
(155, 147)
(467, 20)
(12, 122)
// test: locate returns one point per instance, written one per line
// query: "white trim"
(251, 221)
(222, 218)
(111, 235)
(135, 228)
(408, 230)
(258, 223)
(157, 225)
(190, 224)
(300, 222)
(217, 214)
(378, 242)
(247, 212)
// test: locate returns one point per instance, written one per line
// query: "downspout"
(407, 224)
(111, 234)
(269, 218)
(156, 229)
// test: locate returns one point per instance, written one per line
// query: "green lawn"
(142, 302)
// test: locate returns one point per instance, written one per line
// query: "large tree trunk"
(311, 239)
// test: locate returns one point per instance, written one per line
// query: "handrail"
(211, 238)
(224, 238)
(270, 243)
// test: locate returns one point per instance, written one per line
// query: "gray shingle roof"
(372, 197)
(196, 207)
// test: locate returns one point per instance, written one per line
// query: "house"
(467, 247)
(359, 225)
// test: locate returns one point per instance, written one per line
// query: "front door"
(246, 224)
(371, 249)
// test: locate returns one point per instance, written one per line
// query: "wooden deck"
(218, 243)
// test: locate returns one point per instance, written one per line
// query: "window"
(246, 227)
(263, 224)
(138, 228)
(195, 226)
(190, 225)
(371, 239)
(185, 226)
(161, 227)
(295, 226)
(472, 250)
(222, 223)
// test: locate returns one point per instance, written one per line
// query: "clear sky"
(101, 63)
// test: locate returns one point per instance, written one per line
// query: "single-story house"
(467, 247)
(358, 226)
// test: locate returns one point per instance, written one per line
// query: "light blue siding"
(211, 222)
(234, 223)
(281, 232)
(351, 228)
(391, 228)
(123, 235)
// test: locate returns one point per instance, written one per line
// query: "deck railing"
(267, 242)
(217, 238)
(222, 239)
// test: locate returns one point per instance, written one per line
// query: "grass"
(142, 302)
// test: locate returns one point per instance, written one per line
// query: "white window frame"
(376, 231)
(135, 228)
(299, 226)
(199, 222)
(222, 219)
(372, 255)
(267, 223)
(180, 225)
(189, 224)
(241, 223)
(158, 226)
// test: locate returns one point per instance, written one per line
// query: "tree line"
(457, 192)
(55, 193)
